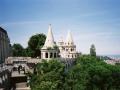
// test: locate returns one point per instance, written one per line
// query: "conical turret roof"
(69, 39)
(50, 39)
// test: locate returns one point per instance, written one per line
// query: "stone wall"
(4, 45)
(5, 80)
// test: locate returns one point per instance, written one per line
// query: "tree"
(50, 76)
(35, 43)
(92, 50)
(17, 50)
(28, 52)
(76, 78)
(98, 75)
(88, 73)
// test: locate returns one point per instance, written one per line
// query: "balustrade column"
(48, 54)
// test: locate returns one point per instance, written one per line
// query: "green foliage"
(76, 78)
(91, 73)
(56, 47)
(49, 48)
(35, 43)
(17, 50)
(49, 76)
(88, 73)
(28, 52)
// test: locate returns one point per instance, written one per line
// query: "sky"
(90, 22)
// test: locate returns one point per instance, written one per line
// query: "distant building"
(64, 49)
(4, 45)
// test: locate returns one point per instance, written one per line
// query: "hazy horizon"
(90, 21)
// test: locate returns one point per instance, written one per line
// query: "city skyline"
(91, 22)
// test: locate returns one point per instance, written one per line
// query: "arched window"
(46, 55)
(51, 55)
(55, 55)
(68, 56)
(72, 56)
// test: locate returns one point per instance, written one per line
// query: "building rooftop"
(2, 30)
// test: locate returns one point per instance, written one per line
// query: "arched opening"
(55, 55)
(72, 49)
(46, 55)
(66, 49)
(51, 55)
(72, 56)
(68, 56)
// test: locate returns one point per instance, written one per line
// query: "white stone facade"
(67, 48)
(64, 49)
(49, 49)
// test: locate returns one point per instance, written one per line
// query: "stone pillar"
(53, 55)
(41, 55)
(48, 54)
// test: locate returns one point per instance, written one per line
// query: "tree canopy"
(88, 73)
(50, 76)
(91, 73)
(17, 50)
(35, 43)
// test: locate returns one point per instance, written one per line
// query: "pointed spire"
(69, 39)
(61, 39)
(50, 39)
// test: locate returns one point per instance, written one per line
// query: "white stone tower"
(68, 48)
(69, 39)
(49, 50)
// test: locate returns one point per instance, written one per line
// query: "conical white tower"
(69, 39)
(68, 50)
(50, 39)
(49, 49)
